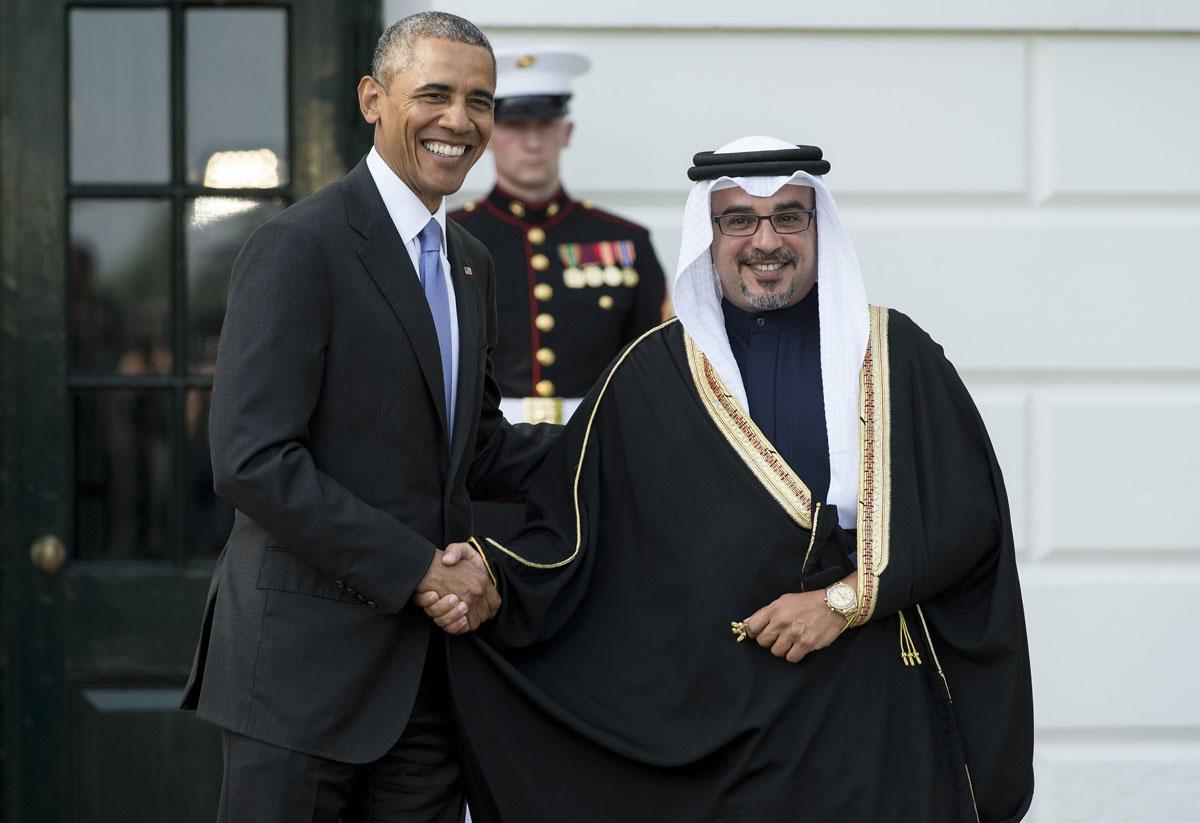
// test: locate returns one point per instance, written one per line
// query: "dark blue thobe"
(779, 356)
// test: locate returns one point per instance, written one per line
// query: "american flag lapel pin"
(468, 271)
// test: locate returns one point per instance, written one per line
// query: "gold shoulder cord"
(579, 466)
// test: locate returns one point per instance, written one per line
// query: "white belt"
(539, 409)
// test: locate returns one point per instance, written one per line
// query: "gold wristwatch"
(842, 599)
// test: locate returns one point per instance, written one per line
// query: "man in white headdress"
(782, 451)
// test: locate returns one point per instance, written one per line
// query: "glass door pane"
(120, 287)
(120, 96)
(122, 475)
(216, 228)
(237, 97)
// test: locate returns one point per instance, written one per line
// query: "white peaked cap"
(537, 70)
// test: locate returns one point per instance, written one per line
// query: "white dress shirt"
(410, 216)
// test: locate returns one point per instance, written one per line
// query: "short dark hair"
(395, 44)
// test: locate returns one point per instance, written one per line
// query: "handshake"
(457, 592)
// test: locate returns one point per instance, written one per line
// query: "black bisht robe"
(610, 687)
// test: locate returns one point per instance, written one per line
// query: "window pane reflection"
(120, 105)
(122, 474)
(209, 518)
(120, 291)
(237, 97)
(216, 229)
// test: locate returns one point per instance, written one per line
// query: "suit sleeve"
(506, 454)
(270, 367)
(650, 293)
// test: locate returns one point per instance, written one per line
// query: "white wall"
(1024, 180)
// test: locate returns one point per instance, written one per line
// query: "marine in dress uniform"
(574, 283)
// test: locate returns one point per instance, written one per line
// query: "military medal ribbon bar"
(596, 264)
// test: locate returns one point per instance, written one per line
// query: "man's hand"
(457, 596)
(463, 551)
(795, 625)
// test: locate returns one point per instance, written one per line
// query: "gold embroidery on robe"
(874, 475)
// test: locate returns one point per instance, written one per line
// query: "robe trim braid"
(812, 541)
(587, 435)
(483, 556)
(874, 465)
(748, 441)
(950, 698)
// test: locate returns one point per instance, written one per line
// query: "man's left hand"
(795, 625)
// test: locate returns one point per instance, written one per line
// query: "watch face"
(842, 596)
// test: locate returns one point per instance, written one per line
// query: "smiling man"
(431, 101)
(761, 269)
(766, 550)
(354, 414)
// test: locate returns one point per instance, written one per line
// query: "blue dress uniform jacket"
(574, 284)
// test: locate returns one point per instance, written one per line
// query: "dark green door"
(141, 142)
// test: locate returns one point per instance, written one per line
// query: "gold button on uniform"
(544, 322)
(552, 210)
(544, 388)
(540, 262)
(536, 236)
(606, 301)
(517, 209)
(546, 356)
(469, 205)
(543, 291)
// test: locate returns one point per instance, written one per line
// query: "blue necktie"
(436, 292)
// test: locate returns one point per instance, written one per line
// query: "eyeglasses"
(744, 225)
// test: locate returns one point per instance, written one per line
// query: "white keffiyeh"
(843, 310)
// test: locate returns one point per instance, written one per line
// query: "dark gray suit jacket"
(329, 438)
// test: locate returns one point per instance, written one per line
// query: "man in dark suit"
(354, 416)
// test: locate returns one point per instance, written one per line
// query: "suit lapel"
(468, 337)
(387, 261)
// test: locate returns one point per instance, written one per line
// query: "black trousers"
(418, 781)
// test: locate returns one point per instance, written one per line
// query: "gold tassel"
(908, 649)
